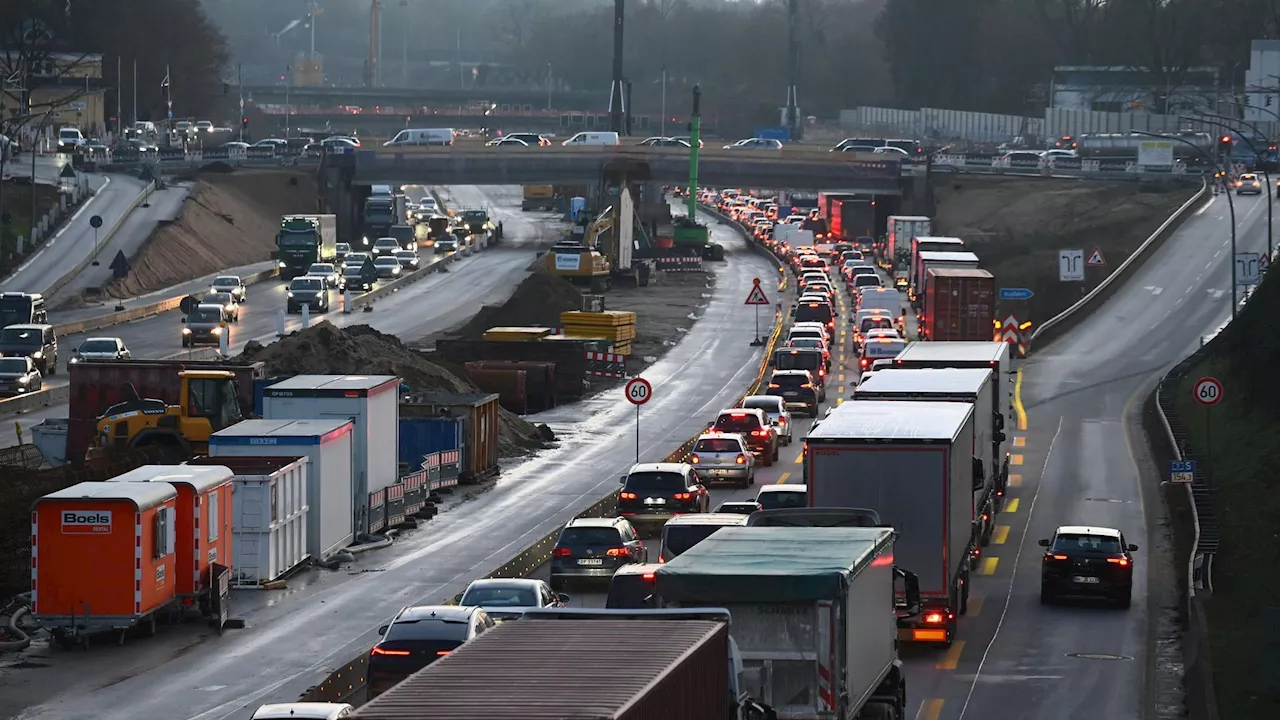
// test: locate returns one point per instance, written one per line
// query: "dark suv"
(38, 342)
(417, 637)
(754, 427)
(654, 492)
(809, 359)
(1087, 561)
(796, 388)
(593, 548)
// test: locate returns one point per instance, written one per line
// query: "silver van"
(422, 136)
(592, 137)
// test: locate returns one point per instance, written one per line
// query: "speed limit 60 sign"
(638, 391)
(1208, 391)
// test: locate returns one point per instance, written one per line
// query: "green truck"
(303, 240)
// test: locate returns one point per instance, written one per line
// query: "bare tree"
(40, 75)
(513, 26)
(1073, 26)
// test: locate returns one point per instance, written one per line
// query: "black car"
(417, 637)
(308, 290)
(1087, 561)
(797, 389)
(654, 492)
(38, 342)
(593, 548)
(354, 279)
(18, 376)
(632, 587)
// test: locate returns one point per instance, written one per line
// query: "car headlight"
(186, 331)
(74, 360)
(289, 293)
(282, 264)
(216, 331)
(364, 240)
(37, 354)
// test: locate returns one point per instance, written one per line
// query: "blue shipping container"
(774, 133)
(259, 385)
(421, 436)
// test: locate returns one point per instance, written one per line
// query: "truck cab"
(208, 402)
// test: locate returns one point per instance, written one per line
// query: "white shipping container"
(372, 402)
(328, 447)
(269, 525)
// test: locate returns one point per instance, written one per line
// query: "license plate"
(719, 472)
(591, 561)
(1085, 580)
(655, 501)
(793, 393)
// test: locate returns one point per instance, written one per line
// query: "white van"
(594, 138)
(69, 137)
(303, 711)
(422, 136)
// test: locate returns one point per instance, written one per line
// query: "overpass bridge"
(797, 168)
(388, 123)
(367, 97)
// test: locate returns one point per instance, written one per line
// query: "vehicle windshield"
(320, 269)
(98, 346)
(299, 240)
(767, 404)
(386, 261)
(1087, 543)
(406, 254)
(450, 632)
(813, 312)
(226, 282)
(386, 243)
(875, 322)
(351, 271)
(655, 482)
(306, 284)
(717, 445)
(789, 381)
(500, 596)
(14, 310)
(342, 248)
(219, 298)
(737, 422)
(805, 342)
(205, 315)
(677, 539)
(590, 536)
(783, 499)
(402, 234)
(474, 216)
(13, 366)
(804, 360)
(21, 337)
(866, 280)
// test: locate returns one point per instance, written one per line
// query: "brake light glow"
(741, 459)
(618, 552)
(442, 653)
(562, 552)
(1118, 561)
(781, 420)
(774, 385)
(1055, 557)
(383, 651)
(649, 576)
(694, 459)
(935, 618)
(627, 495)
(865, 363)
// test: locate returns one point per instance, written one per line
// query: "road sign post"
(1016, 294)
(1182, 472)
(757, 298)
(1071, 265)
(1248, 268)
(95, 222)
(638, 391)
(1208, 392)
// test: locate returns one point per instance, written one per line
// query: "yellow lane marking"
(975, 605)
(800, 458)
(930, 709)
(1000, 534)
(840, 378)
(839, 401)
(1019, 441)
(1017, 402)
(951, 659)
(783, 480)
(1015, 459)
(988, 566)
(1012, 506)
(1015, 480)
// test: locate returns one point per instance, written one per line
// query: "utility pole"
(617, 98)
(240, 85)
(793, 68)
(404, 46)
(135, 90)
(664, 101)
(288, 84)
(549, 81)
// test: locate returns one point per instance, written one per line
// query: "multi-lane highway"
(296, 636)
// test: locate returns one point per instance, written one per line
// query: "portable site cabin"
(103, 555)
(203, 524)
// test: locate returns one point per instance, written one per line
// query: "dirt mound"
(537, 302)
(229, 220)
(325, 350)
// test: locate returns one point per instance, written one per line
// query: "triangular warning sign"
(757, 297)
(1096, 259)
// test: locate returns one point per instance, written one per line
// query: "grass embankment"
(17, 206)
(1239, 440)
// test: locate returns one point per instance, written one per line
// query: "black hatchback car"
(1086, 561)
(655, 492)
(593, 549)
(417, 637)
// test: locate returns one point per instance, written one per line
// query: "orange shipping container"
(204, 519)
(102, 554)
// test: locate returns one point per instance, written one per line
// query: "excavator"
(603, 249)
(208, 401)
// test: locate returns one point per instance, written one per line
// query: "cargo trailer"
(608, 669)
(990, 354)
(959, 304)
(809, 610)
(921, 244)
(479, 412)
(899, 232)
(931, 259)
(914, 466)
(851, 218)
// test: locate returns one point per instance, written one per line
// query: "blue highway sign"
(1015, 294)
(1182, 471)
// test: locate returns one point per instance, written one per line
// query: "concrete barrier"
(394, 286)
(1065, 320)
(103, 240)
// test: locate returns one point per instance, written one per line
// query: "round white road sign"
(1208, 391)
(638, 391)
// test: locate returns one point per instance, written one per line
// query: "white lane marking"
(1208, 265)
(1216, 293)
(65, 226)
(1218, 253)
(1188, 290)
(1157, 291)
(1207, 205)
(1008, 599)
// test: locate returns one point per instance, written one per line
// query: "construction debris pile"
(537, 301)
(324, 349)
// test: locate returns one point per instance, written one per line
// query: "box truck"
(900, 230)
(976, 386)
(922, 244)
(303, 240)
(937, 259)
(808, 608)
(959, 304)
(915, 467)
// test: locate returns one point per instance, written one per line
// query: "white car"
(876, 334)
(755, 144)
(508, 598)
(328, 271)
(230, 284)
(776, 408)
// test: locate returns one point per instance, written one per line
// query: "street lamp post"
(1230, 204)
(1266, 176)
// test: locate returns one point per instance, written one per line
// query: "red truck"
(98, 384)
(959, 304)
(850, 218)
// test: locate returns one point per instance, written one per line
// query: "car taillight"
(935, 618)
(781, 420)
(442, 653)
(741, 459)
(1118, 561)
(618, 552)
(562, 552)
(694, 459)
(1051, 556)
(774, 385)
(649, 576)
(684, 496)
(385, 652)
(627, 495)
(865, 362)
(759, 433)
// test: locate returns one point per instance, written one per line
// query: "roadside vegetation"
(15, 219)
(1239, 443)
